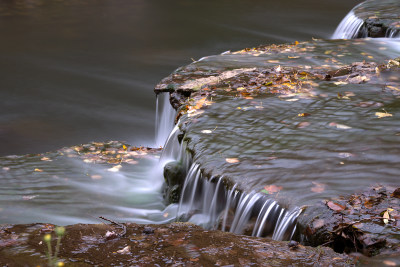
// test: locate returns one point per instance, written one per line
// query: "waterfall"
(208, 202)
(349, 27)
(165, 116)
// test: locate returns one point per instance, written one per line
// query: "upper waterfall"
(349, 27)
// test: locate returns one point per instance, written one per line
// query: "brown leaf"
(318, 223)
(303, 124)
(335, 206)
(318, 187)
(396, 193)
(273, 188)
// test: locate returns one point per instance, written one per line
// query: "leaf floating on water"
(206, 131)
(294, 57)
(303, 114)
(96, 177)
(46, 159)
(303, 124)
(270, 189)
(115, 168)
(38, 170)
(28, 197)
(339, 126)
(383, 114)
(232, 160)
(318, 187)
(335, 206)
(392, 87)
(6, 168)
(292, 100)
(340, 83)
(389, 263)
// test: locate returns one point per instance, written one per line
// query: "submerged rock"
(176, 244)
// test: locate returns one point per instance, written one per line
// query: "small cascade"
(393, 33)
(349, 27)
(165, 116)
(208, 203)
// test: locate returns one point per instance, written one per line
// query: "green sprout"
(52, 259)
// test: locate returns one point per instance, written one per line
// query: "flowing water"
(77, 71)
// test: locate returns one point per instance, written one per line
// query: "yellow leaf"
(296, 42)
(383, 114)
(38, 170)
(124, 147)
(386, 217)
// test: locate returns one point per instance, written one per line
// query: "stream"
(81, 72)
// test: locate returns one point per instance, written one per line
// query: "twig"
(121, 226)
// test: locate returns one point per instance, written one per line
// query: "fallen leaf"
(131, 161)
(318, 223)
(389, 263)
(396, 193)
(335, 206)
(340, 83)
(303, 124)
(383, 114)
(115, 168)
(206, 131)
(45, 159)
(28, 197)
(339, 126)
(232, 160)
(96, 177)
(6, 168)
(303, 114)
(292, 100)
(318, 187)
(38, 170)
(386, 217)
(125, 250)
(270, 189)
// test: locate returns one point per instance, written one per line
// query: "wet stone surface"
(301, 123)
(177, 244)
(366, 222)
(381, 18)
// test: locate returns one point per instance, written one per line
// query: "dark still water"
(76, 71)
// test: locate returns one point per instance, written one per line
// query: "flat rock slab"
(176, 244)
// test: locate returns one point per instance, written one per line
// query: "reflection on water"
(77, 71)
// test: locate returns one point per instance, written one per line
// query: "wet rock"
(148, 230)
(381, 18)
(366, 222)
(170, 245)
(174, 175)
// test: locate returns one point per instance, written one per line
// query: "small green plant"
(53, 261)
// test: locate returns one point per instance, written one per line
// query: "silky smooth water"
(82, 70)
